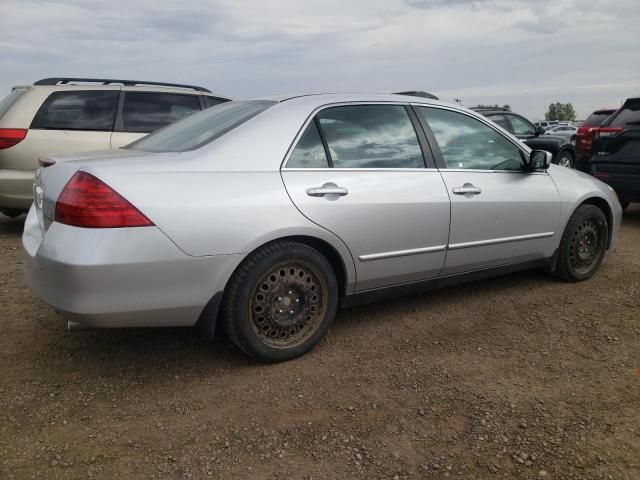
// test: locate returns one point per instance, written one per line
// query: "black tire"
(280, 301)
(583, 244)
(565, 158)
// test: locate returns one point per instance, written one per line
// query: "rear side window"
(83, 110)
(201, 128)
(628, 115)
(212, 101)
(597, 118)
(8, 101)
(146, 112)
(371, 136)
(309, 152)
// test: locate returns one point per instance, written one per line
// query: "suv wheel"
(564, 159)
(280, 301)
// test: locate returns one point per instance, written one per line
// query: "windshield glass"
(201, 128)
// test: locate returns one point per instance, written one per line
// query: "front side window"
(501, 120)
(467, 143)
(309, 152)
(78, 110)
(201, 128)
(370, 136)
(146, 112)
(522, 127)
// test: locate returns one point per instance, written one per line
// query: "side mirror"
(539, 131)
(538, 160)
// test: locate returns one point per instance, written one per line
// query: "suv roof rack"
(418, 93)
(106, 81)
(501, 109)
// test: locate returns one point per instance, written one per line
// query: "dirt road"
(516, 377)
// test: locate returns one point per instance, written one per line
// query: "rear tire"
(564, 159)
(280, 301)
(583, 244)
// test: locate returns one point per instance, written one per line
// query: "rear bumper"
(127, 277)
(16, 189)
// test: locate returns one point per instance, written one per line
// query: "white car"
(70, 115)
(562, 131)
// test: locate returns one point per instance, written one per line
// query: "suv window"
(144, 112)
(470, 144)
(197, 130)
(371, 136)
(78, 110)
(597, 118)
(212, 101)
(522, 127)
(629, 114)
(309, 152)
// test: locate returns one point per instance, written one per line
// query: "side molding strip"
(496, 241)
(401, 253)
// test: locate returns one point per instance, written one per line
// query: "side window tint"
(309, 152)
(78, 110)
(146, 112)
(212, 101)
(371, 136)
(470, 144)
(522, 127)
(501, 120)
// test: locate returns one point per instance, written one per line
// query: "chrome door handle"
(327, 189)
(467, 189)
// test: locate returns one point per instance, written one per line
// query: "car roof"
(316, 100)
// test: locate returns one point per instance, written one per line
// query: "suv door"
(73, 120)
(360, 172)
(142, 112)
(499, 213)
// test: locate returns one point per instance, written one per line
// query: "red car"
(586, 134)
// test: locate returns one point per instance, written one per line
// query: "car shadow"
(12, 226)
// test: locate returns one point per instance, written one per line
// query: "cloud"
(505, 51)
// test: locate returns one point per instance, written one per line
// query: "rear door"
(499, 213)
(141, 112)
(71, 121)
(362, 172)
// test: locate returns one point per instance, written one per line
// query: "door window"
(145, 112)
(309, 152)
(370, 136)
(78, 110)
(522, 127)
(502, 121)
(467, 143)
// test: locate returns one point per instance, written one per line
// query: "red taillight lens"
(608, 132)
(11, 136)
(88, 202)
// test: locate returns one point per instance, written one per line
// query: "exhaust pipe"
(76, 327)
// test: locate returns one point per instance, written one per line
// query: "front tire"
(583, 244)
(280, 301)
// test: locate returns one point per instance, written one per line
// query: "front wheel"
(583, 244)
(564, 159)
(280, 301)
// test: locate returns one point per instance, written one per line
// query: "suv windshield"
(201, 128)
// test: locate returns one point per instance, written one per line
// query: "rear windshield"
(9, 100)
(597, 118)
(628, 115)
(201, 128)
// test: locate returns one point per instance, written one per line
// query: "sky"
(524, 53)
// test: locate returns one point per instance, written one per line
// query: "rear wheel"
(583, 244)
(280, 301)
(564, 159)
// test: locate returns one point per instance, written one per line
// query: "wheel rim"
(585, 246)
(565, 160)
(288, 304)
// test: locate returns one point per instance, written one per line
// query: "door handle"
(467, 189)
(327, 189)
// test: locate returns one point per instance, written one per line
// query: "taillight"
(11, 136)
(87, 201)
(608, 132)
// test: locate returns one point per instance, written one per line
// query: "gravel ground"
(517, 377)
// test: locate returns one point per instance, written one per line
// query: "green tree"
(560, 111)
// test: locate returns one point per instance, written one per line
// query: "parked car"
(615, 154)
(562, 131)
(547, 124)
(272, 213)
(563, 151)
(586, 132)
(66, 115)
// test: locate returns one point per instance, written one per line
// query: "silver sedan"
(267, 215)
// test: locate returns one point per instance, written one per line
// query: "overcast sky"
(524, 53)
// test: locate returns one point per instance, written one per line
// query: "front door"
(500, 214)
(359, 171)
